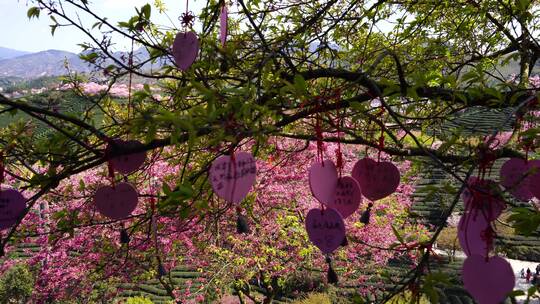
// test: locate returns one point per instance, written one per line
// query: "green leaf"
(123, 24)
(166, 189)
(398, 236)
(53, 28)
(33, 12)
(146, 11)
(90, 57)
(184, 212)
(531, 291)
(97, 24)
(524, 221)
(300, 84)
(523, 5)
(185, 190)
(516, 293)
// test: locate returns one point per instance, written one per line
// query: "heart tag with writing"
(116, 202)
(223, 24)
(347, 197)
(185, 49)
(377, 179)
(483, 196)
(323, 179)
(12, 205)
(514, 177)
(325, 229)
(232, 179)
(473, 234)
(126, 163)
(488, 281)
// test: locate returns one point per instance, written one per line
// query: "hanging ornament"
(185, 49)
(12, 206)
(125, 163)
(345, 242)
(483, 196)
(242, 224)
(161, 270)
(475, 234)
(366, 215)
(12, 203)
(223, 24)
(377, 179)
(514, 177)
(323, 179)
(331, 274)
(347, 196)
(116, 202)
(488, 280)
(325, 229)
(186, 44)
(124, 236)
(232, 177)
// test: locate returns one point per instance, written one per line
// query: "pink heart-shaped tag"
(513, 178)
(232, 179)
(325, 229)
(323, 181)
(483, 195)
(472, 234)
(12, 205)
(347, 196)
(223, 24)
(126, 163)
(489, 282)
(116, 203)
(185, 49)
(377, 179)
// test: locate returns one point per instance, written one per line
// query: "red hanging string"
(111, 174)
(339, 154)
(107, 157)
(319, 136)
(488, 236)
(152, 191)
(233, 165)
(2, 169)
(369, 136)
(486, 159)
(130, 63)
(380, 145)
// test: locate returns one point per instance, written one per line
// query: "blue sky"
(17, 32)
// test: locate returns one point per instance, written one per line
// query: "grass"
(406, 298)
(314, 298)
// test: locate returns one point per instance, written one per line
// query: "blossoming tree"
(289, 81)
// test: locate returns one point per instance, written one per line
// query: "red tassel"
(331, 275)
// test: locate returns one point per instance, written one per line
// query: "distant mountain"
(46, 63)
(6, 53)
(51, 63)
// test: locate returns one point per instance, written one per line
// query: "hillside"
(6, 53)
(51, 63)
(46, 63)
